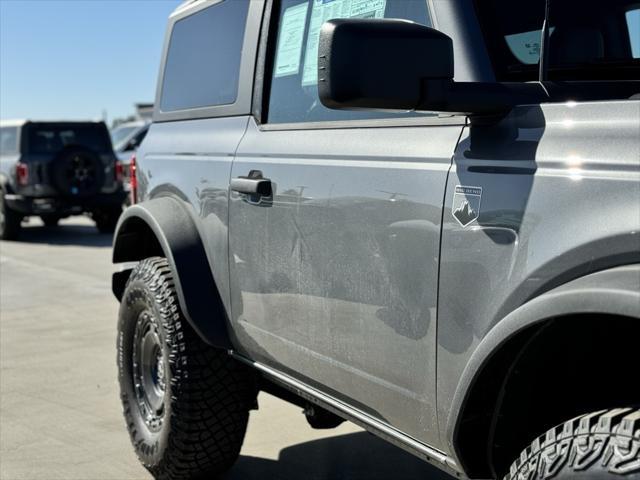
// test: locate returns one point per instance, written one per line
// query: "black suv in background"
(57, 169)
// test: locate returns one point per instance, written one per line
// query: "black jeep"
(57, 169)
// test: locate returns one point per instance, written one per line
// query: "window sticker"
(324, 10)
(290, 40)
(525, 46)
(367, 8)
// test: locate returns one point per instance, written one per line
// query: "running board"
(369, 423)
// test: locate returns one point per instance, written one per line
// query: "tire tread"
(211, 394)
(607, 439)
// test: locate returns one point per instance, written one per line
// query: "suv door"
(200, 114)
(334, 256)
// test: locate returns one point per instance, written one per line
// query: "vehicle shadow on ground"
(69, 234)
(355, 456)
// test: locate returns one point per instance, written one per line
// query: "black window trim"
(262, 88)
(242, 105)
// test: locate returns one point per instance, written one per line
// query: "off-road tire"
(107, 219)
(208, 394)
(10, 221)
(595, 446)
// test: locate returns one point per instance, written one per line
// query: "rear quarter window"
(8, 140)
(51, 138)
(202, 66)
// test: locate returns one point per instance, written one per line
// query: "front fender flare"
(614, 291)
(167, 221)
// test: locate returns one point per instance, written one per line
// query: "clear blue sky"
(74, 58)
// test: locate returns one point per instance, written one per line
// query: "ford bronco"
(56, 169)
(421, 216)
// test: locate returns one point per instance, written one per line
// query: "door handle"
(252, 184)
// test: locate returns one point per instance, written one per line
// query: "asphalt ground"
(60, 415)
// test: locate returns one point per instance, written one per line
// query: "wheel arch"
(163, 227)
(609, 294)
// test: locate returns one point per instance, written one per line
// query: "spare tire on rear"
(78, 171)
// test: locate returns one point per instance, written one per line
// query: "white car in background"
(126, 138)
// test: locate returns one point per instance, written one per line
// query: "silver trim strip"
(382, 429)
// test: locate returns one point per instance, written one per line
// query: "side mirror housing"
(387, 64)
(380, 63)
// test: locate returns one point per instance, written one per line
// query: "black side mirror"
(400, 65)
(380, 64)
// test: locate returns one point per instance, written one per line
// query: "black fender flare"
(163, 226)
(615, 291)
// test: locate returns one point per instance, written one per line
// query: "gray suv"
(420, 216)
(57, 169)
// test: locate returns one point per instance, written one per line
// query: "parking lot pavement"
(59, 408)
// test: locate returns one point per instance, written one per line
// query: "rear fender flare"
(173, 235)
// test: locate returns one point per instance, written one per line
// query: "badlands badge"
(466, 204)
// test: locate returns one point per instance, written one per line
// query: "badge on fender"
(466, 204)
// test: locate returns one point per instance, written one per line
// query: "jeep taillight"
(22, 173)
(133, 179)
(119, 172)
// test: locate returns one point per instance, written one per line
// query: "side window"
(633, 25)
(586, 42)
(140, 137)
(294, 79)
(203, 58)
(8, 140)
